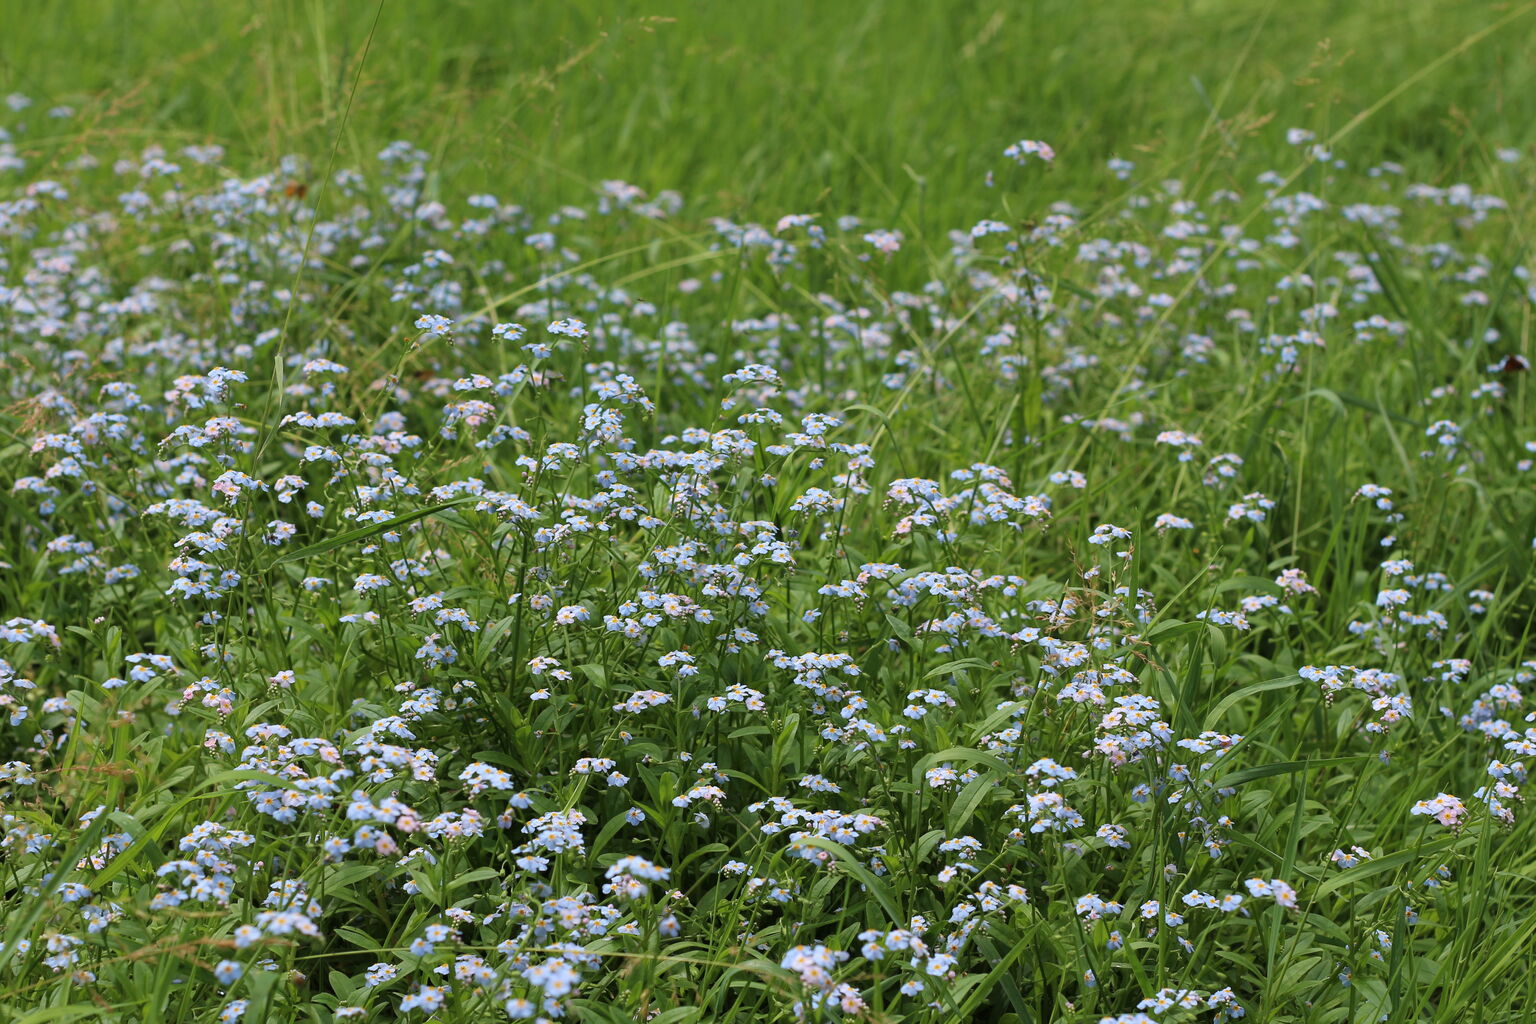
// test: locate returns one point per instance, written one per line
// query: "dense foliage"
(419, 605)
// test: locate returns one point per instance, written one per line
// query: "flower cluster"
(409, 583)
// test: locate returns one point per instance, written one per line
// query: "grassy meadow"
(893, 512)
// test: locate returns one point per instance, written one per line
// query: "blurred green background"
(787, 104)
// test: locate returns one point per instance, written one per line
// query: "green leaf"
(341, 540)
(969, 799)
(862, 874)
(902, 630)
(1232, 699)
(1269, 771)
(1389, 862)
(470, 878)
(960, 665)
(1175, 628)
(963, 754)
(999, 971)
(360, 939)
(61, 1013)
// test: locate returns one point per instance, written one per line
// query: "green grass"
(876, 108)
(1104, 312)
